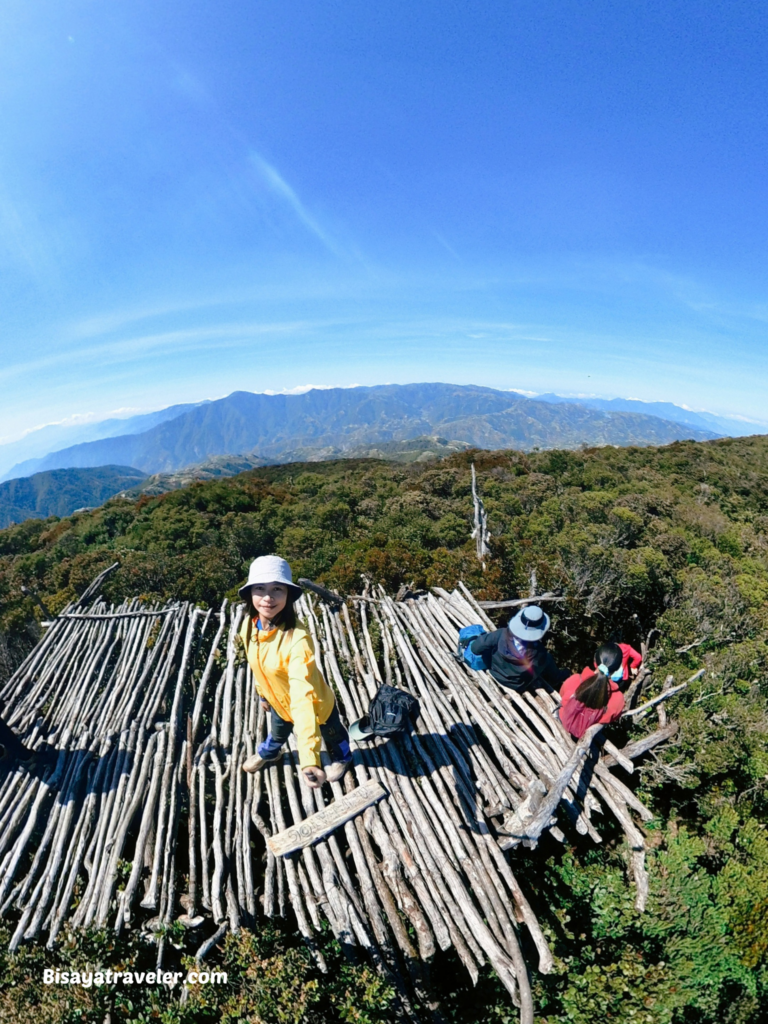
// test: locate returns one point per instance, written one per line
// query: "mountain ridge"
(343, 418)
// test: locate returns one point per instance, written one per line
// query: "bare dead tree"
(480, 533)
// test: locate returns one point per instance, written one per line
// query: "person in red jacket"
(619, 655)
(590, 697)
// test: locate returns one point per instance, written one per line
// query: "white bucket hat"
(530, 623)
(269, 569)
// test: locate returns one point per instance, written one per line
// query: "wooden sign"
(323, 822)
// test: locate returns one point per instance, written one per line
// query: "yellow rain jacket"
(287, 676)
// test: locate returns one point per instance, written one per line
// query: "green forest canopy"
(673, 539)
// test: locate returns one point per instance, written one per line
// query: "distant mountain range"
(726, 426)
(30, 449)
(276, 427)
(60, 492)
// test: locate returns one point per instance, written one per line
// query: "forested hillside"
(669, 544)
(62, 491)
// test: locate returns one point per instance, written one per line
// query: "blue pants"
(333, 732)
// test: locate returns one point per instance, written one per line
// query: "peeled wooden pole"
(271, 782)
(151, 897)
(147, 820)
(54, 836)
(309, 872)
(294, 880)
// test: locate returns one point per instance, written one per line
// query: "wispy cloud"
(280, 187)
(100, 324)
(446, 245)
(161, 343)
(25, 243)
(189, 85)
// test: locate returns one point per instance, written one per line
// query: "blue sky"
(197, 198)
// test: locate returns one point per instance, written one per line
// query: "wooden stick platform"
(147, 715)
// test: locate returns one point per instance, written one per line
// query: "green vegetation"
(270, 978)
(673, 540)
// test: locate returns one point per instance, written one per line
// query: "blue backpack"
(466, 636)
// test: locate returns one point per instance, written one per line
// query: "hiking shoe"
(335, 771)
(256, 763)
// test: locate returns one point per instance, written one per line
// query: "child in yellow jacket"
(282, 658)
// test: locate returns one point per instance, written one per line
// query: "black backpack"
(391, 711)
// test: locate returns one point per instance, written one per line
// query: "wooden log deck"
(147, 715)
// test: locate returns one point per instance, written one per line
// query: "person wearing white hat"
(515, 655)
(281, 654)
